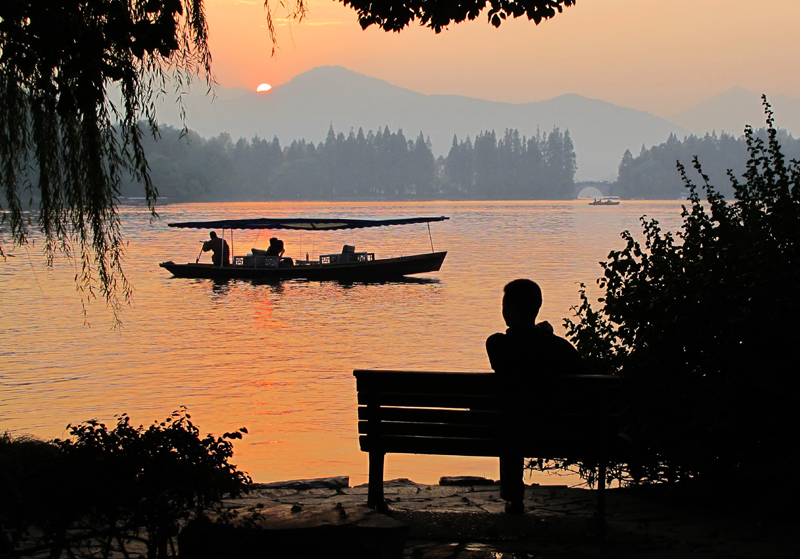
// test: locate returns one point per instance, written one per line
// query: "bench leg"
(375, 499)
(512, 487)
(601, 498)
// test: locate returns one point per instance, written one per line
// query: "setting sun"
(264, 87)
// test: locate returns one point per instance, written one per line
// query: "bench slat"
(431, 429)
(568, 433)
(430, 400)
(447, 382)
(520, 421)
(546, 448)
(486, 390)
(431, 415)
(533, 405)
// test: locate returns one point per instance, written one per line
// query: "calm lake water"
(278, 359)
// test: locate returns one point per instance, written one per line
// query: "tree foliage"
(66, 142)
(701, 324)
(395, 15)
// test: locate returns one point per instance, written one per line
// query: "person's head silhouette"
(522, 299)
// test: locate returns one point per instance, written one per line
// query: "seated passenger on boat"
(275, 247)
(220, 253)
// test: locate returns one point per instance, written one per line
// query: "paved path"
(468, 522)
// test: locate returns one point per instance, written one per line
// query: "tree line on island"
(385, 165)
(653, 174)
(381, 165)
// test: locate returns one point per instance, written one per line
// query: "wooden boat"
(347, 265)
(610, 201)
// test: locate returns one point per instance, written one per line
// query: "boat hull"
(372, 270)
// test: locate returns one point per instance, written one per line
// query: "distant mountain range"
(306, 106)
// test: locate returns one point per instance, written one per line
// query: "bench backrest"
(486, 414)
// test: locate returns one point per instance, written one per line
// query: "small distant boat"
(608, 201)
(347, 265)
(140, 200)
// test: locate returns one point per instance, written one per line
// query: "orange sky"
(661, 56)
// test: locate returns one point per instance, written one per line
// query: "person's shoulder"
(555, 344)
(495, 339)
(563, 342)
(568, 356)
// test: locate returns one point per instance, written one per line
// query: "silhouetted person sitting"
(275, 247)
(348, 254)
(526, 348)
(220, 253)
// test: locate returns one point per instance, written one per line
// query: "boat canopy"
(305, 224)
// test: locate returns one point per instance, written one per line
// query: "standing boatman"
(220, 253)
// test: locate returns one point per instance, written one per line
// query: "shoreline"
(464, 519)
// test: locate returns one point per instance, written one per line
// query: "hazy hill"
(733, 109)
(332, 95)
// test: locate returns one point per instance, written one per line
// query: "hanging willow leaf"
(66, 144)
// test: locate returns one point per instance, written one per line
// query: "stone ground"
(468, 522)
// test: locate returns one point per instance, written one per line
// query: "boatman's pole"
(430, 236)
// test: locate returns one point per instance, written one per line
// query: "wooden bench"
(486, 414)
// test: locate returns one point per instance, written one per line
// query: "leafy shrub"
(102, 486)
(701, 325)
